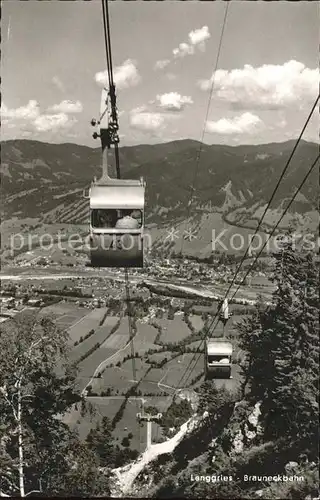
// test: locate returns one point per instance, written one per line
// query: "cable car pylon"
(146, 417)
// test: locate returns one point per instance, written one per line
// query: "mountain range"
(46, 182)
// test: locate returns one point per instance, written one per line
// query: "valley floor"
(163, 346)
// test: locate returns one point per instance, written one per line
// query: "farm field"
(118, 348)
(103, 408)
(143, 340)
(123, 383)
(111, 351)
(30, 228)
(178, 366)
(120, 337)
(100, 335)
(145, 337)
(60, 309)
(196, 344)
(196, 321)
(140, 366)
(65, 309)
(261, 281)
(109, 407)
(156, 380)
(199, 309)
(88, 366)
(150, 384)
(159, 402)
(66, 314)
(87, 323)
(130, 423)
(120, 378)
(159, 356)
(71, 319)
(173, 330)
(230, 329)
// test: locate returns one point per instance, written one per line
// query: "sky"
(164, 57)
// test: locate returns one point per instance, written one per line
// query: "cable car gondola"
(217, 359)
(116, 223)
(116, 209)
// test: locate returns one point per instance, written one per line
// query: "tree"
(171, 313)
(123, 456)
(37, 450)
(100, 440)
(125, 442)
(282, 348)
(176, 414)
(215, 400)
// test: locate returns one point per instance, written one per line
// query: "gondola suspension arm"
(108, 122)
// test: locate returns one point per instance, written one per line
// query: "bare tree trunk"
(246, 379)
(20, 446)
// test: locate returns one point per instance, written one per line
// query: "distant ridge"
(45, 181)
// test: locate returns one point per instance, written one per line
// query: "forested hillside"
(271, 427)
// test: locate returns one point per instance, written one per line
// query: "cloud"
(30, 118)
(26, 133)
(183, 50)
(161, 64)
(171, 76)
(44, 123)
(124, 76)
(145, 120)
(173, 101)
(265, 87)
(197, 38)
(30, 111)
(67, 107)
(58, 83)
(247, 123)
